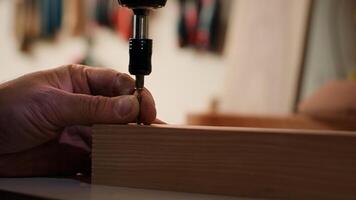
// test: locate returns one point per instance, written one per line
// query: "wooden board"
(269, 163)
(257, 121)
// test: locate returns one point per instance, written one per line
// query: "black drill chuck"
(140, 46)
(143, 3)
(140, 56)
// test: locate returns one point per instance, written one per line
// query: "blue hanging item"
(57, 7)
(44, 16)
(51, 17)
(102, 13)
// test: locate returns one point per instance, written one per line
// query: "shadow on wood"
(254, 121)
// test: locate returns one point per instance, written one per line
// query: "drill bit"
(140, 82)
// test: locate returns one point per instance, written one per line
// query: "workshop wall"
(183, 80)
(265, 52)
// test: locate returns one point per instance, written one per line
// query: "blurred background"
(231, 57)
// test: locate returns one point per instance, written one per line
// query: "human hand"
(43, 117)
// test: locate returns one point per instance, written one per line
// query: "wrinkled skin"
(45, 117)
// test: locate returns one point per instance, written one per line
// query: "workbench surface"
(65, 188)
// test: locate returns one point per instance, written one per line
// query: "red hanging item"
(189, 12)
(208, 25)
(124, 22)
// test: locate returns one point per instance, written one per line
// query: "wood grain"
(268, 163)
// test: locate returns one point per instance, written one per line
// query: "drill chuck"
(140, 56)
(140, 46)
(143, 3)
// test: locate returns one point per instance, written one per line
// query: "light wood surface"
(248, 162)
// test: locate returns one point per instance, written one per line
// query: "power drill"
(140, 46)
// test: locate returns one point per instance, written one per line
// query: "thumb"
(80, 109)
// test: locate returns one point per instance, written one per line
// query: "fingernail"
(125, 105)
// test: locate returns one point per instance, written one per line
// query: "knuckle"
(125, 77)
(74, 66)
(96, 105)
(124, 85)
(44, 96)
(92, 105)
(44, 103)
